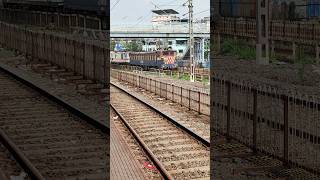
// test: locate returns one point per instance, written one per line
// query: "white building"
(165, 16)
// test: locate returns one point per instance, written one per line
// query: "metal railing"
(285, 125)
(307, 32)
(200, 73)
(83, 57)
(58, 20)
(168, 28)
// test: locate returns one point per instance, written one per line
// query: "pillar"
(318, 54)
(272, 48)
(294, 50)
(262, 39)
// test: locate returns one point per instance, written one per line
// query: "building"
(165, 16)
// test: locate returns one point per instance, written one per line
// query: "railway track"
(177, 152)
(233, 160)
(9, 164)
(48, 138)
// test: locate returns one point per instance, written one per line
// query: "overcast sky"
(139, 11)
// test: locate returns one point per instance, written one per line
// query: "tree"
(133, 46)
(112, 45)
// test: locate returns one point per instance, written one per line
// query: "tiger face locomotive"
(162, 59)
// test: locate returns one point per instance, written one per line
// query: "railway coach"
(52, 5)
(119, 57)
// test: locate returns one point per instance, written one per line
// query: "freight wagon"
(96, 7)
(34, 4)
(89, 6)
(238, 8)
(280, 9)
(313, 8)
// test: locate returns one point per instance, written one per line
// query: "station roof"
(165, 11)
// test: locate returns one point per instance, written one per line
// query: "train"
(90, 7)
(281, 9)
(160, 59)
(119, 57)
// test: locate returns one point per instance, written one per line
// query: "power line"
(201, 12)
(114, 5)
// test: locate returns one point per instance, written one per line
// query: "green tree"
(133, 46)
(112, 45)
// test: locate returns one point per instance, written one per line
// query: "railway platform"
(123, 164)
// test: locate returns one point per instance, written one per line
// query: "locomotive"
(161, 59)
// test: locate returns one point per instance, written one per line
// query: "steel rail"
(25, 163)
(77, 112)
(16, 152)
(177, 124)
(144, 146)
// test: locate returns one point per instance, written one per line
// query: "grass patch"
(238, 48)
(274, 58)
(302, 60)
(186, 77)
(6, 53)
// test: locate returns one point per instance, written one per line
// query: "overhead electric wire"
(114, 5)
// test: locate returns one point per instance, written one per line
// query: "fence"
(306, 32)
(192, 99)
(89, 59)
(200, 73)
(59, 20)
(283, 125)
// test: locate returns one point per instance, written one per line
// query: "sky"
(138, 12)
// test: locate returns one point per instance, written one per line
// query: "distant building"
(165, 16)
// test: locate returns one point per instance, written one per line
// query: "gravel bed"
(286, 77)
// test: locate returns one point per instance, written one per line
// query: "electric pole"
(262, 39)
(191, 42)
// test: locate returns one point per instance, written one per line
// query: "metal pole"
(191, 42)
(262, 33)
(286, 130)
